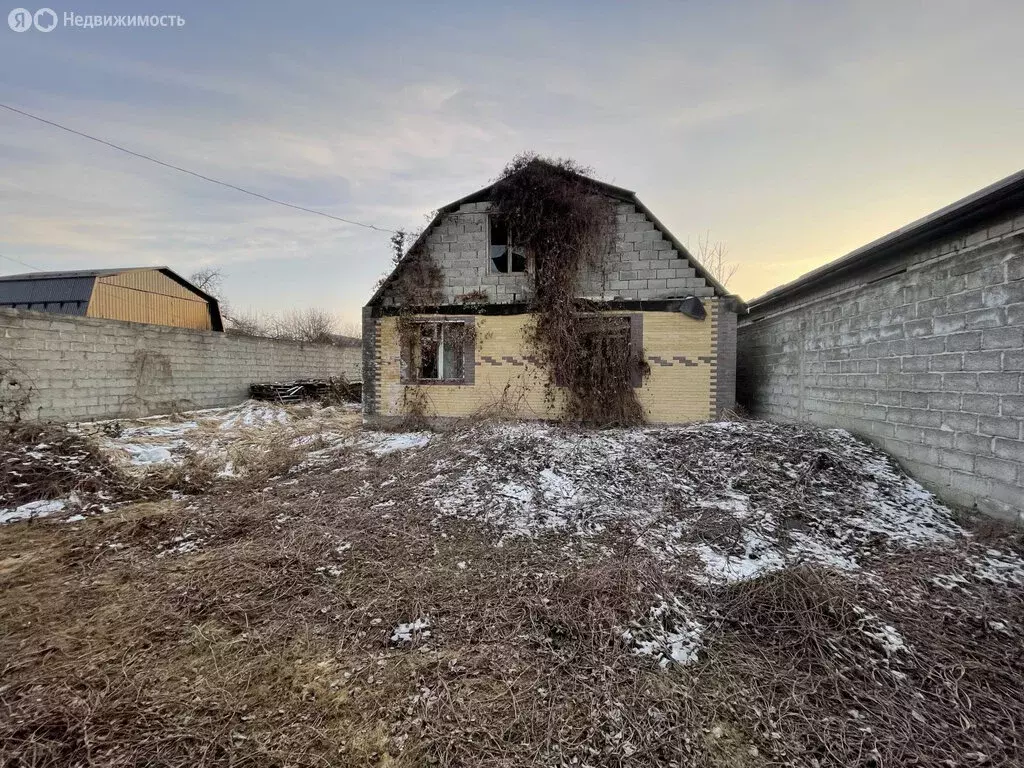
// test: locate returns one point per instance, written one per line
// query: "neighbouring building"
(154, 295)
(915, 341)
(469, 352)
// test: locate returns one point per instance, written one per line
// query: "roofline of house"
(620, 193)
(672, 304)
(986, 202)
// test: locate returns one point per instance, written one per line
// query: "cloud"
(792, 132)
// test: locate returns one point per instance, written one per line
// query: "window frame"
(510, 246)
(412, 363)
(633, 333)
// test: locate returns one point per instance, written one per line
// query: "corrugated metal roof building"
(154, 295)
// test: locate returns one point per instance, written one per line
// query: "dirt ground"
(405, 600)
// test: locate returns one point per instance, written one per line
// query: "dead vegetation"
(567, 226)
(40, 461)
(43, 461)
(261, 626)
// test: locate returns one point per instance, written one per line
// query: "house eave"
(525, 308)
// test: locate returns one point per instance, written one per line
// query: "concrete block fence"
(76, 368)
(924, 354)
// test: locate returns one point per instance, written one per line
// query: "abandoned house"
(549, 295)
(154, 295)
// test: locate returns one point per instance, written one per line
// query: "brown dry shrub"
(46, 461)
(192, 475)
(796, 677)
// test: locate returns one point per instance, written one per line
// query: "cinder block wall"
(928, 362)
(643, 265)
(77, 368)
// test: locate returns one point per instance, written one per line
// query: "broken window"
(506, 258)
(608, 352)
(440, 351)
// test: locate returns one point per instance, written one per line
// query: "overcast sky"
(792, 131)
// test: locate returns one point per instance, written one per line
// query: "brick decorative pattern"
(508, 380)
(924, 354)
(692, 362)
(520, 362)
(85, 368)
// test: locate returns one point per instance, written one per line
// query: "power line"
(178, 168)
(37, 269)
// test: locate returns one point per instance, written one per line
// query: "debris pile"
(327, 391)
(720, 502)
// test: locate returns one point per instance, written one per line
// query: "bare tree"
(713, 256)
(312, 325)
(248, 324)
(209, 280)
(351, 328)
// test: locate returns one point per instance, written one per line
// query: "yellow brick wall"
(673, 393)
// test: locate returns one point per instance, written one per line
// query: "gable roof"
(618, 193)
(71, 290)
(1002, 195)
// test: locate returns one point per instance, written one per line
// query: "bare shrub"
(194, 474)
(259, 461)
(47, 462)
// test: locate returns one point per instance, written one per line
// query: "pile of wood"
(332, 390)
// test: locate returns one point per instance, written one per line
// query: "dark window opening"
(606, 349)
(506, 258)
(439, 352)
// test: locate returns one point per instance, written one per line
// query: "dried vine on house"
(567, 227)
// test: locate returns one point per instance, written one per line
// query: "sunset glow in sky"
(792, 131)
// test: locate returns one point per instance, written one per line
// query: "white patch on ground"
(253, 414)
(179, 545)
(533, 479)
(142, 455)
(216, 435)
(404, 633)
(668, 632)
(31, 511)
(168, 430)
(1001, 568)
(382, 444)
(885, 636)
(759, 556)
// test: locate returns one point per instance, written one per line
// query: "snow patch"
(399, 442)
(31, 511)
(404, 633)
(668, 633)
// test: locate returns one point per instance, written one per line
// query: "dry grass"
(252, 626)
(44, 461)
